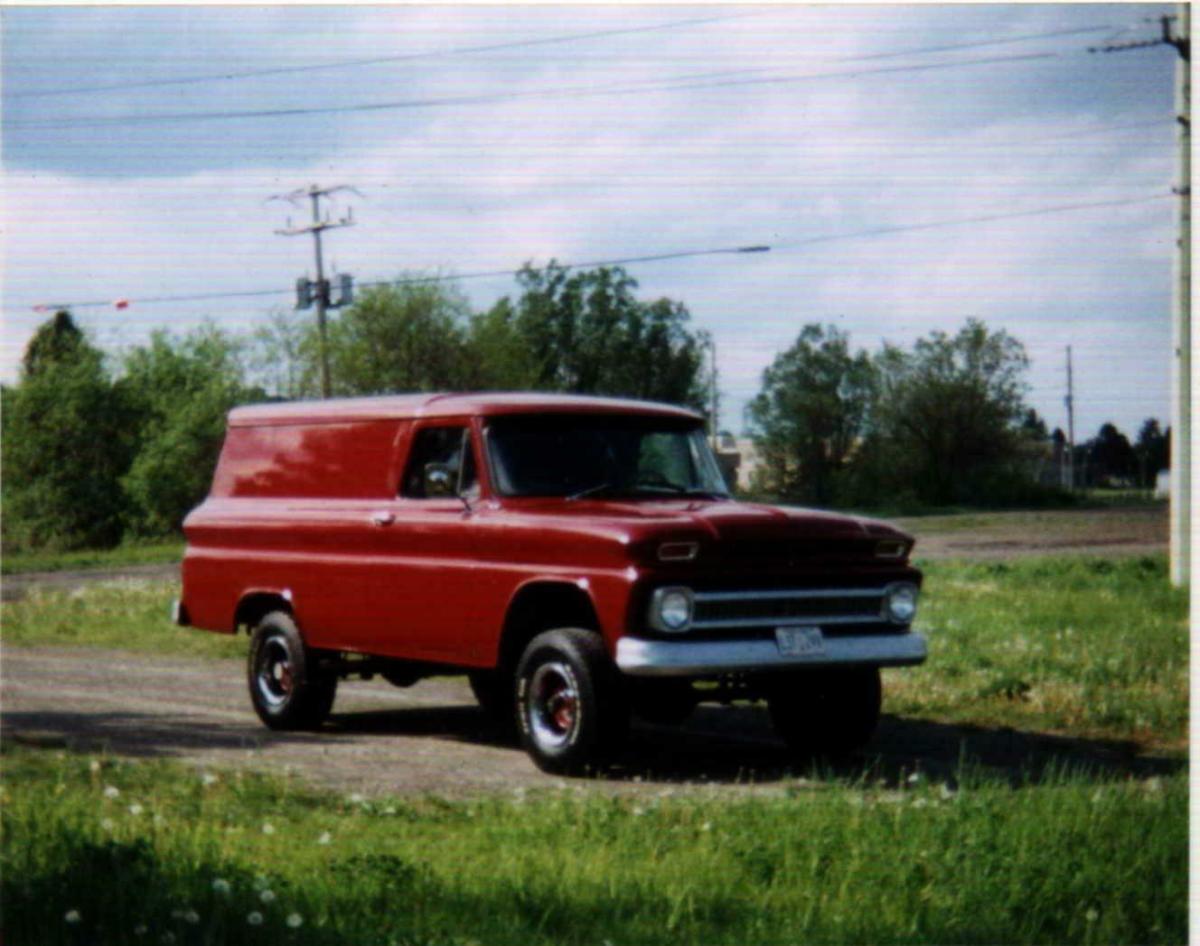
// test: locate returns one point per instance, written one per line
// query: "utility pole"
(1177, 32)
(1069, 400)
(305, 289)
(712, 389)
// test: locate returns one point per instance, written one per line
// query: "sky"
(911, 166)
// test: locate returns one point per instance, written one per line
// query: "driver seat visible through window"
(441, 464)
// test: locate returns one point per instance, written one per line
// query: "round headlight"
(900, 603)
(673, 609)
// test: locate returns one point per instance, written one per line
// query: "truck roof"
(403, 406)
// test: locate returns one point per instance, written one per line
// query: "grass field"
(96, 850)
(148, 553)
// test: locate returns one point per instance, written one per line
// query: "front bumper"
(657, 658)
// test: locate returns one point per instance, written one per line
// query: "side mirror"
(439, 479)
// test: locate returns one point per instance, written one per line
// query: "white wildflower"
(914, 778)
(1092, 915)
(295, 921)
(947, 792)
(268, 828)
(221, 886)
(135, 809)
(111, 791)
(638, 811)
(208, 779)
(390, 810)
(94, 766)
(267, 896)
(106, 824)
(356, 799)
(254, 918)
(707, 826)
(325, 838)
(72, 916)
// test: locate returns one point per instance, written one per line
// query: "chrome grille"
(772, 607)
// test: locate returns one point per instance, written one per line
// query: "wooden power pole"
(1176, 32)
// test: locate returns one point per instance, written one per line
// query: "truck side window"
(441, 463)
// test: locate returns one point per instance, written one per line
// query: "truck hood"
(720, 521)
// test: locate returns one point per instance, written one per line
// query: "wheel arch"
(541, 605)
(256, 603)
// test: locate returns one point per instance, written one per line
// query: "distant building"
(1162, 485)
(738, 459)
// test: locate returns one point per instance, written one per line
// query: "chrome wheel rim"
(274, 677)
(553, 703)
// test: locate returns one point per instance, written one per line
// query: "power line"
(985, 218)
(674, 84)
(649, 258)
(518, 44)
(379, 60)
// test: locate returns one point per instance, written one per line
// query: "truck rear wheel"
(286, 688)
(829, 712)
(571, 709)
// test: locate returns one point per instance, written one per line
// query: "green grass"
(157, 847)
(147, 553)
(130, 614)
(1080, 645)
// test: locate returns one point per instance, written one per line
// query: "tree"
(587, 333)
(67, 441)
(1153, 450)
(1110, 458)
(407, 336)
(946, 421)
(497, 355)
(811, 412)
(181, 390)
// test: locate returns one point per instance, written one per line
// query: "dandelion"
(191, 916)
(254, 918)
(295, 921)
(356, 799)
(221, 886)
(914, 778)
(106, 824)
(267, 896)
(111, 791)
(208, 779)
(325, 838)
(638, 811)
(390, 810)
(919, 803)
(72, 916)
(707, 826)
(135, 809)
(94, 766)
(947, 792)
(268, 828)
(1092, 915)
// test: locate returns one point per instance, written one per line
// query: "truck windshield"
(576, 456)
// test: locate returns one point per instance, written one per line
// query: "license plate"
(804, 642)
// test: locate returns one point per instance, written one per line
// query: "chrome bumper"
(659, 658)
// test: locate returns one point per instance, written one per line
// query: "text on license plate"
(800, 641)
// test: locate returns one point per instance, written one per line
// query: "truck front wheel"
(829, 712)
(287, 689)
(570, 706)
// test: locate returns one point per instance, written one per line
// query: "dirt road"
(432, 739)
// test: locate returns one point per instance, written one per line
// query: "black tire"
(494, 692)
(664, 702)
(830, 712)
(571, 709)
(286, 688)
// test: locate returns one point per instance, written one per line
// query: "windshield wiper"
(590, 491)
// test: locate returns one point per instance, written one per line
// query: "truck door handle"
(383, 518)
